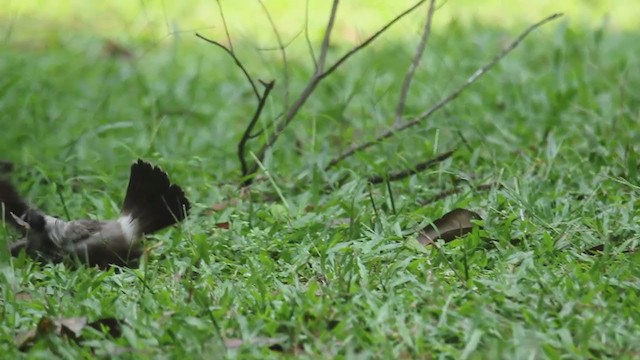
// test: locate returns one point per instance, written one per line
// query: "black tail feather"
(152, 201)
(11, 202)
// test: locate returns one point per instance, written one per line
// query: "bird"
(151, 203)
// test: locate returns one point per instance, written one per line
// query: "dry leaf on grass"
(223, 225)
(65, 327)
(450, 226)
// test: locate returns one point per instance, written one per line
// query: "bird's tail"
(152, 202)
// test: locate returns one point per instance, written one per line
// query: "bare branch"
(237, 61)
(406, 84)
(268, 86)
(285, 45)
(414, 170)
(306, 34)
(306, 92)
(472, 79)
(364, 44)
(324, 48)
(226, 28)
(283, 53)
(320, 74)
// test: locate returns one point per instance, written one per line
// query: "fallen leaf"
(23, 296)
(25, 339)
(113, 49)
(219, 206)
(71, 326)
(223, 225)
(450, 226)
(65, 327)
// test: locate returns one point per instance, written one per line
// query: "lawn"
(315, 262)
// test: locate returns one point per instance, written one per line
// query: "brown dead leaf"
(25, 339)
(70, 328)
(450, 226)
(115, 50)
(223, 225)
(23, 296)
(219, 206)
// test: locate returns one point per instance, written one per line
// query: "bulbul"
(151, 203)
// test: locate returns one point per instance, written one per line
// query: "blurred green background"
(28, 21)
(132, 76)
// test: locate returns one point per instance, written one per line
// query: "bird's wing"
(67, 233)
(106, 244)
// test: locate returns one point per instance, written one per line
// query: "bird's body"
(151, 204)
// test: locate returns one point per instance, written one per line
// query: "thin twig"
(226, 28)
(306, 92)
(324, 48)
(306, 34)
(284, 45)
(283, 53)
(472, 79)
(412, 171)
(237, 61)
(364, 44)
(268, 86)
(406, 84)
(320, 74)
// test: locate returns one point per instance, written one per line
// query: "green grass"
(324, 272)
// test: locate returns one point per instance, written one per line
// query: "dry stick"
(414, 170)
(324, 48)
(237, 61)
(224, 23)
(320, 74)
(283, 53)
(472, 79)
(406, 84)
(306, 92)
(364, 44)
(246, 136)
(306, 34)
(284, 45)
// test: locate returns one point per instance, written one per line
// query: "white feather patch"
(129, 227)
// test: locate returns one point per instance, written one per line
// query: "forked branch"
(247, 135)
(236, 60)
(413, 170)
(406, 84)
(320, 73)
(452, 96)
